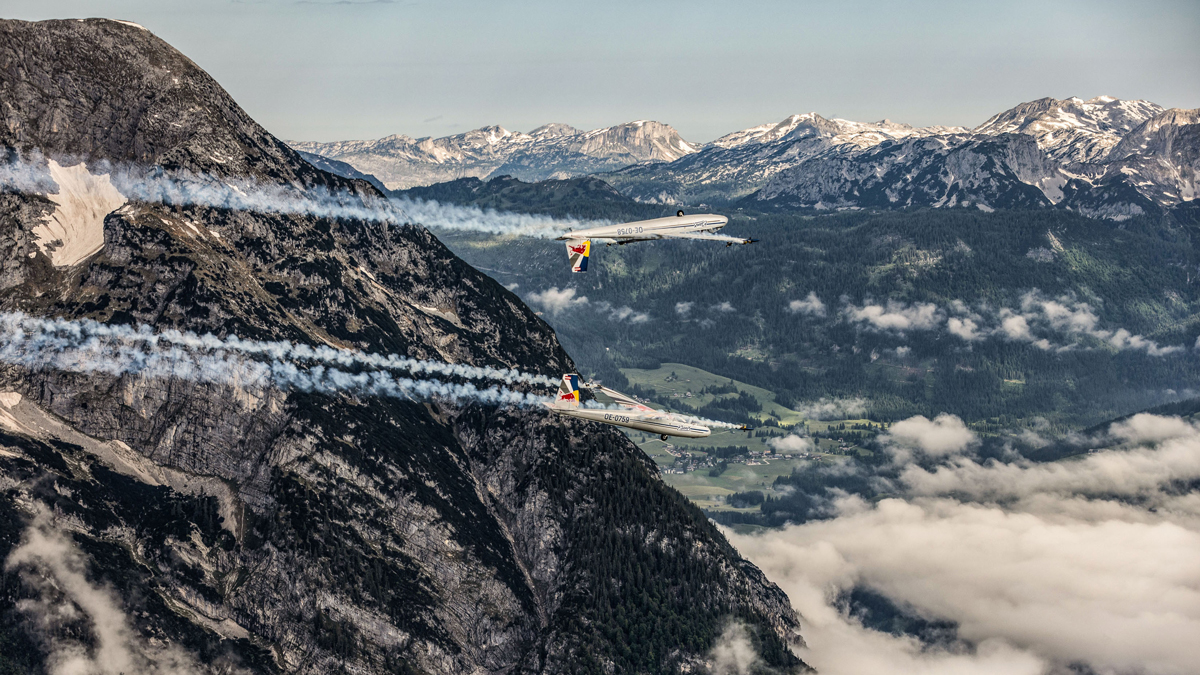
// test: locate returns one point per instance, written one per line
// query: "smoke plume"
(90, 347)
(188, 188)
(474, 219)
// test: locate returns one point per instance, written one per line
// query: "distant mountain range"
(550, 151)
(1102, 157)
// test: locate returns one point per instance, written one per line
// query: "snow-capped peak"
(1072, 129)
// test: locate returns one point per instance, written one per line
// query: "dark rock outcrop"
(267, 531)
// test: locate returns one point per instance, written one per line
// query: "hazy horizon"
(339, 70)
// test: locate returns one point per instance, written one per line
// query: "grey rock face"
(259, 530)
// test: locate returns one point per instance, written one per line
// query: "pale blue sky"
(326, 70)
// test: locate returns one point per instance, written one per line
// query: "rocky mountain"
(1103, 157)
(1073, 131)
(1094, 156)
(341, 169)
(739, 164)
(552, 151)
(586, 197)
(156, 523)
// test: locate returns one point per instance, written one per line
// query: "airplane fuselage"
(650, 229)
(657, 423)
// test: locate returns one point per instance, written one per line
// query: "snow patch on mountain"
(1073, 130)
(75, 230)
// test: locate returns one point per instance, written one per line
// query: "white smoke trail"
(710, 423)
(67, 345)
(490, 221)
(83, 329)
(187, 188)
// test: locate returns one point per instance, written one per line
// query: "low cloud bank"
(557, 301)
(1041, 566)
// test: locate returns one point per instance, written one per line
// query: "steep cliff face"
(240, 528)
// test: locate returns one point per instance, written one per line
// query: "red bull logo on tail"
(578, 251)
(568, 390)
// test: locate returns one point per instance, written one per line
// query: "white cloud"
(791, 443)
(1165, 450)
(628, 314)
(555, 301)
(683, 308)
(733, 654)
(966, 329)
(810, 305)
(723, 307)
(1071, 317)
(1090, 561)
(1014, 326)
(1144, 428)
(1032, 590)
(833, 408)
(624, 313)
(1043, 322)
(896, 316)
(50, 563)
(944, 435)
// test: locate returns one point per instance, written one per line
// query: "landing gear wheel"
(679, 212)
(664, 437)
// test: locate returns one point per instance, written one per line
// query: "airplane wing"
(705, 236)
(623, 400)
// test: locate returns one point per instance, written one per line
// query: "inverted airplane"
(629, 413)
(698, 227)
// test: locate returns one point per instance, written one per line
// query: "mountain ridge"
(1081, 158)
(290, 530)
(552, 150)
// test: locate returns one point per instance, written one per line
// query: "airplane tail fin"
(568, 391)
(578, 251)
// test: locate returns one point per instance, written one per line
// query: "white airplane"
(679, 226)
(631, 414)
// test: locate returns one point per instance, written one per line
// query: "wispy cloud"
(1051, 324)
(557, 301)
(50, 564)
(810, 305)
